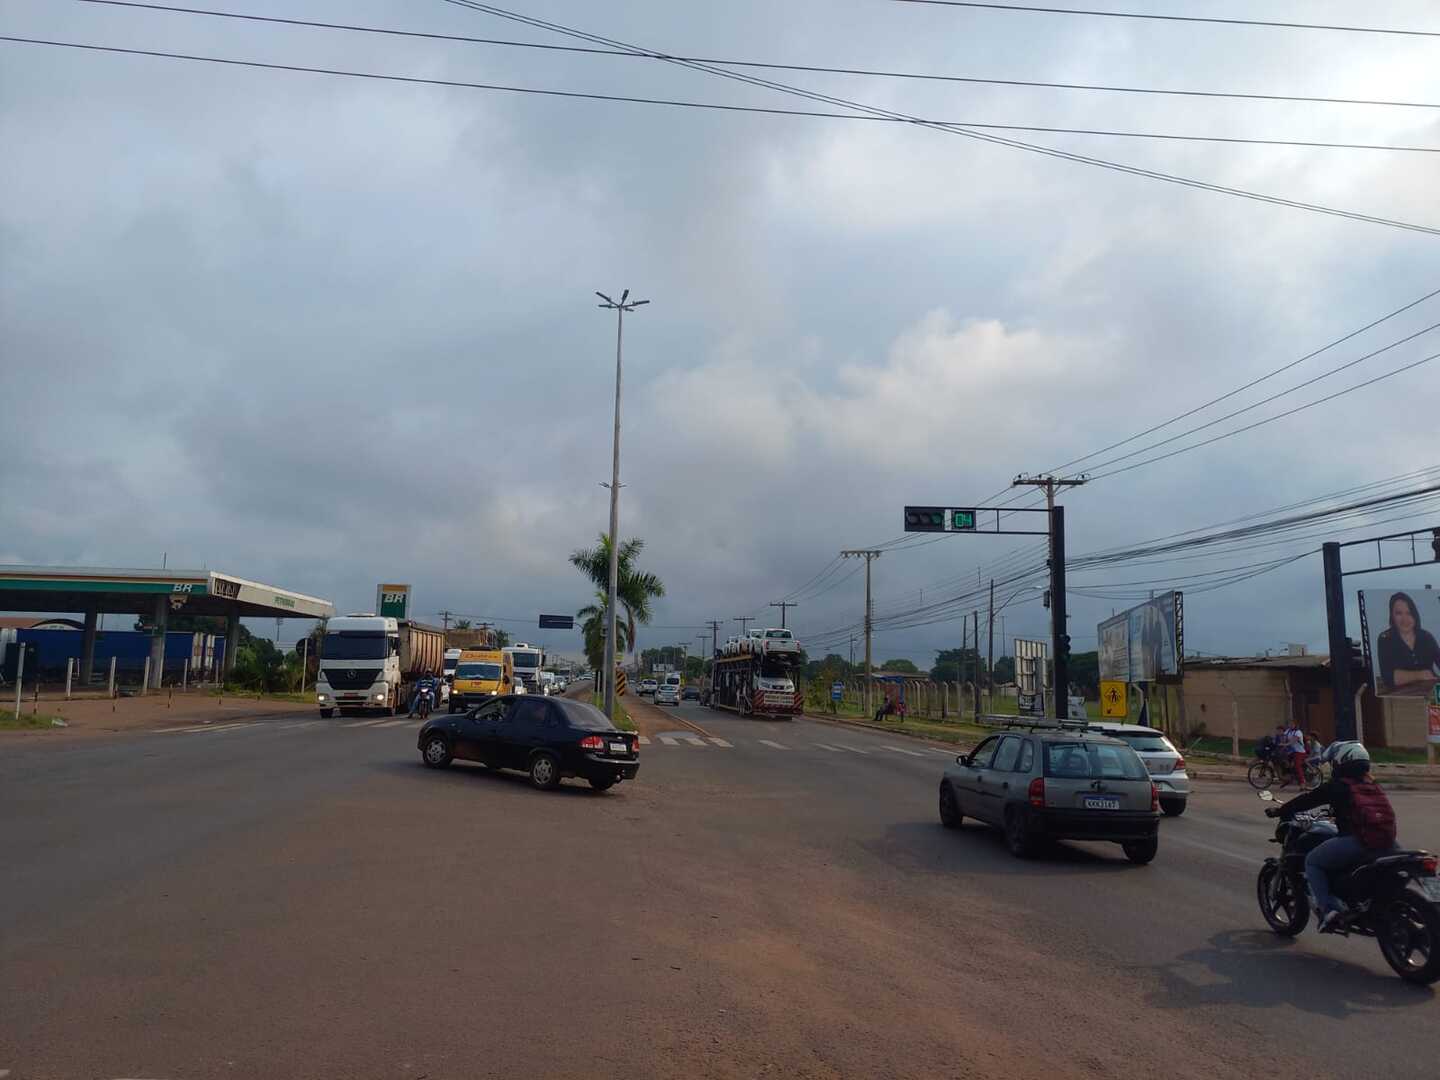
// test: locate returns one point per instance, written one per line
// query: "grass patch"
(307, 698)
(27, 722)
(620, 717)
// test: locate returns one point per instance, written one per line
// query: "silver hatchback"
(1055, 784)
(1165, 762)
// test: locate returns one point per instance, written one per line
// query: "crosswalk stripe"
(902, 750)
(669, 740)
(694, 740)
(644, 740)
(773, 744)
(721, 742)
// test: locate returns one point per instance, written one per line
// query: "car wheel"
(436, 752)
(1172, 807)
(1141, 852)
(326, 714)
(1017, 834)
(602, 783)
(544, 771)
(950, 815)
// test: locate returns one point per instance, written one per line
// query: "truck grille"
(351, 678)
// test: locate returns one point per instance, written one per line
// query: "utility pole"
(990, 650)
(869, 555)
(625, 304)
(782, 605)
(742, 620)
(977, 663)
(1059, 636)
(960, 669)
(445, 619)
(714, 638)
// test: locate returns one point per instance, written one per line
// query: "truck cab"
(481, 674)
(359, 665)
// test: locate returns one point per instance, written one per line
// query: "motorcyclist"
(1363, 816)
(428, 681)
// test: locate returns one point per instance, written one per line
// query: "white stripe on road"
(721, 742)
(397, 723)
(669, 740)
(947, 753)
(366, 723)
(1168, 838)
(694, 740)
(852, 749)
(299, 724)
(773, 744)
(827, 746)
(902, 750)
(216, 727)
(644, 740)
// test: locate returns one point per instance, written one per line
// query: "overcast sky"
(325, 332)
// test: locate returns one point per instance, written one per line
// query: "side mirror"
(962, 759)
(1265, 795)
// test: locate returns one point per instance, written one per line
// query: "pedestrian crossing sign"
(1113, 705)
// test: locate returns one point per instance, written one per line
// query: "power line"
(771, 66)
(1035, 8)
(1000, 140)
(715, 106)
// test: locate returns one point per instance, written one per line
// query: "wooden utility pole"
(782, 605)
(990, 651)
(869, 555)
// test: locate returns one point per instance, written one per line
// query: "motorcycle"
(424, 702)
(1378, 899)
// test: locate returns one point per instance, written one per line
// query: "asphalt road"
(300, 898)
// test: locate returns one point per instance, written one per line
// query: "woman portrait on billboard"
(1409, 657)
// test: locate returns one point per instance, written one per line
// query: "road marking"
(722, 742)
(827, 746)
(214, 728)
(644, 740)
(396, 723)
(902, 750)
(947, 753)
(1249, 860)
(773, 744)
(853, 749)
(365, 723)
(694, 740)
(669, 740)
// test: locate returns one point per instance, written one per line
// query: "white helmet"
(1344, 753)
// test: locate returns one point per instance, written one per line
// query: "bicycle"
(1265, 771)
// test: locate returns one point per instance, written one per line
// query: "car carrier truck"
(751, 684)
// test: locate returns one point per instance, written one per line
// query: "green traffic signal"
(962, 519)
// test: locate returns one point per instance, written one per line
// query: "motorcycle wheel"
(1285, 909)
(1260, 775)
(1408, 931)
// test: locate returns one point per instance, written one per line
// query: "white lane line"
(365, 723)
(832, 749)
(947, 753)
(395, 723)
(852, 749)
(644, 740)
(300, 724)
(772, 744)
(669, 740)
(1166, 838)
(216, 727)
(902, 750)
(721, 742)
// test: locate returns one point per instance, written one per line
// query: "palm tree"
(635, 589)
(592, 627)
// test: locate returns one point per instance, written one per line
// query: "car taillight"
(1154, 798)
(1430, 864)
(1037, 792)
(1179, 765)
(592, 742)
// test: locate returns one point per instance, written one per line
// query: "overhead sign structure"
(1399, 628)
(939, 519)
(392, 601)
(557, 622)
(1114, 704)
(1145, 643)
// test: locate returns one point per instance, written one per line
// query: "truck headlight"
(324, 697)
(379, 697)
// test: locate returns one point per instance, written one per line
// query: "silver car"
(1165, 762)
(1038, 783)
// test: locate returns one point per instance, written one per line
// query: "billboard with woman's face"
(1145, 643)
(1400, 640)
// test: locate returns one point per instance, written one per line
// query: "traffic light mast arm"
(968, 519)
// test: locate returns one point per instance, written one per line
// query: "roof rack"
(1044, 723)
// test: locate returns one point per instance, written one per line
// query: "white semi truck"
(370, 661)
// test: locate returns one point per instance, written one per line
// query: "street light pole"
(620, 307)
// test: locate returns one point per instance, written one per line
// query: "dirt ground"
(163, 708)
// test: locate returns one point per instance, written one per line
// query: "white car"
(778, 643)
(1165, 763)
(647, 686)
(668, 694)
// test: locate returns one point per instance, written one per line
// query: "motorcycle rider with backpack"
(1363, 816)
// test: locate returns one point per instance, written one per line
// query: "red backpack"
(1372, 818)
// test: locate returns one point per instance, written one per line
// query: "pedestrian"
(1299, 751)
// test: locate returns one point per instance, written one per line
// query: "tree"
(900, 666)
(462, 624)
(502, 637)
(592, 630)
(1004, 670)
(1083, 670)
(953, 665)
(635, 590)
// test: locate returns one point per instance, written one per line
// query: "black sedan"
(548, 737)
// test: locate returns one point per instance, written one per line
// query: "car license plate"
(1430, 886)
(619, 748)
(1101, 802)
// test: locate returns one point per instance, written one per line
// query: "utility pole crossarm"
(783, 605)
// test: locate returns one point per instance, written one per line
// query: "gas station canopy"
(118, 590)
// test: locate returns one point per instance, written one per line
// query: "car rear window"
(1148, 742)
(583, 717)
(1093, 761)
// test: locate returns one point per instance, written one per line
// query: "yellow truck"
(481, 674)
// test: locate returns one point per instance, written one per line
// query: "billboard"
(1399, 627)
(392, 601)
(1145, 643)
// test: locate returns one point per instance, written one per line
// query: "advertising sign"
(837, 691)
(1145, 643)
(392, 601)
(1400, 646)
(1434, 709)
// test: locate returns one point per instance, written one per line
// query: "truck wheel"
(326, 714)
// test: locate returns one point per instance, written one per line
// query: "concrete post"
(157, 643)
(145, 678)
(69, 671)
(87, 646)
(232, 644)
(112, 676)
(185, 676)
(19, 672)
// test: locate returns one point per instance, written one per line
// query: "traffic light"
(1062, 646)
(964, 521)
(925, 519)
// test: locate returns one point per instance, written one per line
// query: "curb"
(861, 725)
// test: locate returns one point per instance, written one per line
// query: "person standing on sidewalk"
(1299, 752)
